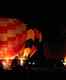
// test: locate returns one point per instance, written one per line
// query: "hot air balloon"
(13, 38)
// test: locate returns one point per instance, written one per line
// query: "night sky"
(56, 36)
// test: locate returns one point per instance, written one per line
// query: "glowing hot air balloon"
(13, 35)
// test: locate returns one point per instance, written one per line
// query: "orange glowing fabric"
(10, 36)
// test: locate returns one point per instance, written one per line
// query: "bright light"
(27, 51)
(21, 62)
(33, 63)
(6, 64)
(64, 61)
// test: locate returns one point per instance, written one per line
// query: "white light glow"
(33, 63)
(64, 63)
(21, 62)
(6, 64)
